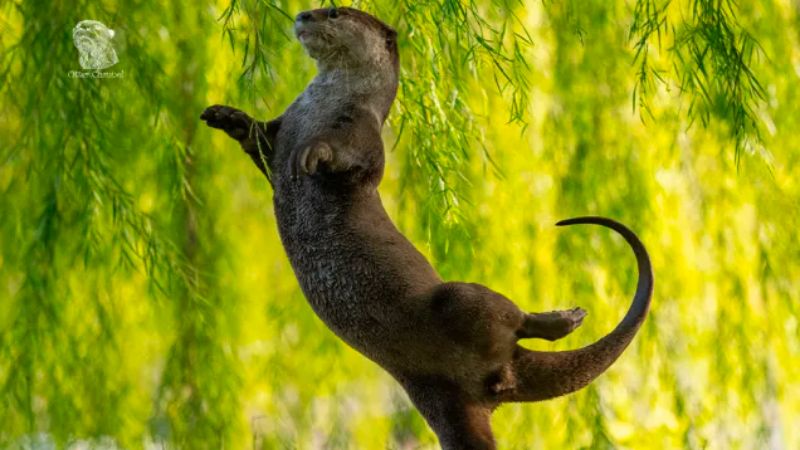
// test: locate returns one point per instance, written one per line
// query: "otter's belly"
(347, 286)
(360, 275)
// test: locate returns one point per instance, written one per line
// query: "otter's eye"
(391, 38)
(332, 14)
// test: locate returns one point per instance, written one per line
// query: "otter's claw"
(231, 120)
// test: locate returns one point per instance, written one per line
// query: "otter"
(452, 346)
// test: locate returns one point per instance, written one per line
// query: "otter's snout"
(314, 33)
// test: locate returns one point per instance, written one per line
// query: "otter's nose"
(304, 17)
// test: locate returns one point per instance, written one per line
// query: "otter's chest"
(313, 113)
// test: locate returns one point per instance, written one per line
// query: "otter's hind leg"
(459, 422)
(551, 325)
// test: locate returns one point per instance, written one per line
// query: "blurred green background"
(146, 301)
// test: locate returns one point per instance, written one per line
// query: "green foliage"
(711, 59)
(145, 298)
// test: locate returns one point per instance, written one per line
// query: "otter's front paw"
(309, 160)
(231, 120)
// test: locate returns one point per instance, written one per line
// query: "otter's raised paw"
(231, 120)
(551, 325)
(309, 160)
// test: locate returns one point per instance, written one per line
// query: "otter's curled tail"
(544, 375)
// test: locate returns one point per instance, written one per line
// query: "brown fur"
(451, 345)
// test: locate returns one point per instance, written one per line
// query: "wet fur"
(451, 345)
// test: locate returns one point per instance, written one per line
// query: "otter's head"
(346, 38)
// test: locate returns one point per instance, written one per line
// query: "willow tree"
(145, 297)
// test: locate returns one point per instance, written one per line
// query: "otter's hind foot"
(551, 325)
